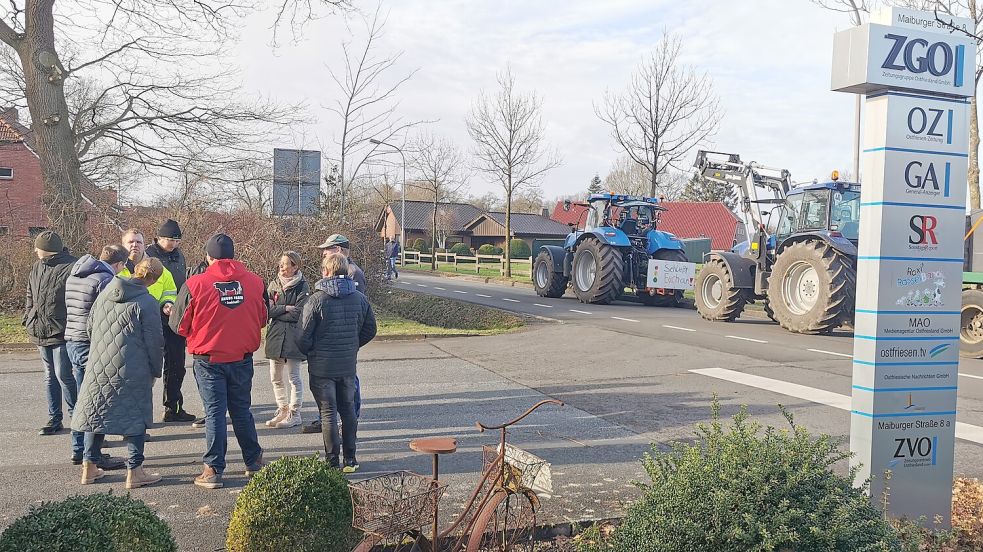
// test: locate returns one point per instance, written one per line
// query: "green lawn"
(10, 329)
(520, 272)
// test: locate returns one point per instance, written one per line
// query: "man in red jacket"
(221, 312)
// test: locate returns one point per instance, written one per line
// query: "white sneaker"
(281, 413)
(292, 419)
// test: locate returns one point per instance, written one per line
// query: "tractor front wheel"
(809, 289)
(716, 297)
(971, 324)
(548, 283)
(598, 272)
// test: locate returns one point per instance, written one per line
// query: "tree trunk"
(508, 231)
(50, 121)
(433, 236)
(974, 155)
(655, 183)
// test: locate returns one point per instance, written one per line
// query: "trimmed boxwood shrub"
(445, 313)
(461, 249)
(487, 249)
(741, 489)
(519, 249)
(94, 522)
(296, 503)
(419, 244)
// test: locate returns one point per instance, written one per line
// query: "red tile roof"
(10, 129)
(685, 219)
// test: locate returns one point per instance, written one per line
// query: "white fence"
(472, 262)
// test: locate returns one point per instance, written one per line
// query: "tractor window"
(845, 215)
(790, 214)
(814, 211)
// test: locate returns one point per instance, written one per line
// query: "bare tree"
(509, 135)
(628, 177)
(367, 108)
(142, 118)
(666, 110)
(440, 174)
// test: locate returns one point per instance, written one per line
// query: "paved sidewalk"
(410, 390)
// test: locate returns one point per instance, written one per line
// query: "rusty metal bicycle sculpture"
(500, 514)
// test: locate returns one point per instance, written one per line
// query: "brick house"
(685, 219)
(21, 188)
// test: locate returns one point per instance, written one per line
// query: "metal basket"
(391, 504)
(521, 467)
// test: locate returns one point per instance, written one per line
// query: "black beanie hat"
(169, 229)
(49, 241)
(220, 246)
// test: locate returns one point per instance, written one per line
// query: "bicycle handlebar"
(482, 427)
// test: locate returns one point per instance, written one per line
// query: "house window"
(4, 230)
(6, 173)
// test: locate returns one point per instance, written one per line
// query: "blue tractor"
(612, 253)
(803, 267)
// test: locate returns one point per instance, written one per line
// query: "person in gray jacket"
(126, 355)
(334, 323)
(89, 277)
(44, 319)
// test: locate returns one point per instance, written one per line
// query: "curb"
(421, 337)
(17, 347)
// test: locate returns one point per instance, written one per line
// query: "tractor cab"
(827, 207)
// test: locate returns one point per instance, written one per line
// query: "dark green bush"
(419, 244)
(487, 249)
(461, 249)
(445, 313)
(520, 249)
(91, 523)
(296, 503)
(741, 489)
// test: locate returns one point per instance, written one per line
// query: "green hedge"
(519, 249)
(298, 504)
(461, 249)
(420, 245)
(445, 313)
(97, 523)
(487, 249)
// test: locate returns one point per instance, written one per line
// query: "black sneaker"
(198, 423)
(313, 427)
(179, 416)
(106, 463)
(351, 466)
(51, 428)
(333, 462)
(77, 459)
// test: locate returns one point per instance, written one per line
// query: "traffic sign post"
(916, 74)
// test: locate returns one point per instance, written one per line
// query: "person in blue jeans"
(44, 320)
(335, 322)
(221, 312)
(90, 275)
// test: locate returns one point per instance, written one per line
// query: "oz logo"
(927, 178)
(923, 230)
(930, 125)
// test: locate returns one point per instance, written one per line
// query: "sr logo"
(923, 228)
(918, 447)
(918, 56)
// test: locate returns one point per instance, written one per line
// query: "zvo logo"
(917, 447)
(918, 56)
(923, 228)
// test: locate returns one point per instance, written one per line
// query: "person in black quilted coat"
(126, 354)
(335, 322)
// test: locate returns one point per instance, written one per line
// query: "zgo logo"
(923, 228)
(927, 125)
(914, 452)
(923, 179)
(903, 56)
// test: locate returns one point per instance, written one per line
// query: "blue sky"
(770, 61)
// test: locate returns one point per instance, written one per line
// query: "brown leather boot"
(137, 477)
(209, 478)
(91, 472)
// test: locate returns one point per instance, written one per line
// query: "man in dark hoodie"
(221, 312)
(165, 248)
(44, 318)
(89, 277)
(334, 323)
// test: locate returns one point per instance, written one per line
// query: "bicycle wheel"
(506, 523)
(407, 542)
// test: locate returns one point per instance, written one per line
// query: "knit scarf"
(283, 284)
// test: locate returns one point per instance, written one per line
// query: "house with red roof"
(685, 219)
(21, 188)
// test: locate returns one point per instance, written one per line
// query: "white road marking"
(511, 300)
(440, 288)
(844, 355)
(482, 295)
(420, 285)
(624, 319)
(970, 376)
(678, 328)
(544, 306)
(461, 292)
(746, 338)
(967, 432)
(579, 312)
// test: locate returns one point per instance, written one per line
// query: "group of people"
(108, 326)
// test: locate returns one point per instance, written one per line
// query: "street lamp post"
(402, 215)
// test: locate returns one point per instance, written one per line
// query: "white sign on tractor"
(670, 275)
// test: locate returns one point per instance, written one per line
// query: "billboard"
(296, 181)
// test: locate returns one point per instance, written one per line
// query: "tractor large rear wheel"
(545, 280)
(672, 296)
(809, 290)
(598, 272)
(971, 324)
(716, 297)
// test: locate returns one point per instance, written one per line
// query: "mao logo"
(923, 230)
(230, 293)
(917, 56)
